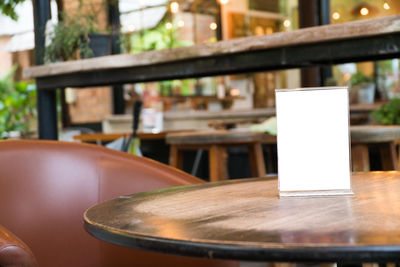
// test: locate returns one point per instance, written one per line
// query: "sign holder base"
(316, 193)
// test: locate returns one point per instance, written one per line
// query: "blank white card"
(313, 141)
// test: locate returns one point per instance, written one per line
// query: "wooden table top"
(214, 137)
(359, 134)
(374, 133)
(106, 137)
(245, 220)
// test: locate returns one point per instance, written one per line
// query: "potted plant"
(388, 113)
(364, 86)
(77, 35)
(17, 106)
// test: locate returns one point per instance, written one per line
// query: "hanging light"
(213, 26)
(142, 3)
(287, 23)
(234, 92)
(335, 15)
(364, 11)
(131, 28)
(386, 5)
(181, 23)
(223, 2)
(168, 25)
(174, 7)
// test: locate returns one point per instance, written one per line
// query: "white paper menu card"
(313, 141)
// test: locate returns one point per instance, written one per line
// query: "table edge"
(287, 253)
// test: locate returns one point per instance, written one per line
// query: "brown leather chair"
(45, 187)
(14, 252)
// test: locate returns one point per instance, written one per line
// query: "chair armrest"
(14, 252)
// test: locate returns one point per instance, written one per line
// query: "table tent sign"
(313, 141)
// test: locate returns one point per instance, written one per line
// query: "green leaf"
(359, 78)
(17, 104)
(7, 7)
(388, 113)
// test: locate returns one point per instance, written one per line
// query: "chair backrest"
(45, 187)
(14, 252)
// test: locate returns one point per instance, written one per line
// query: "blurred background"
(161, 24)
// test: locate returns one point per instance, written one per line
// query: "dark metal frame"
(46, 99)
(114, 22)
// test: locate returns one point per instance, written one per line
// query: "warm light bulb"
(223, 2)
(386, 6)
(132, 28)
(336, 15)
(287, 23)
(168, 25)
(235, 92)
(181, 23)
(213, 26)
(142, 3)
(364, 11)
(174, 6)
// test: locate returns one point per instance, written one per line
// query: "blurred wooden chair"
(216, 143)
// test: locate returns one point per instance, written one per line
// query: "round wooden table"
(245, 220)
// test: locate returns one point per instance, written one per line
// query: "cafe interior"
(200, 133)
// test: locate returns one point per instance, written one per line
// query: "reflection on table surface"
(245, 219)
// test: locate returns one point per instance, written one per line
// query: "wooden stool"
(216, 142)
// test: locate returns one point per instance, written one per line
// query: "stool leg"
(360, 158)
(388, 156)
(196, 163)
(218, 163)
(256, 158)
(176, 157)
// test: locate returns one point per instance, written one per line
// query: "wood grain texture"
(245, 219)
(364, 28)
